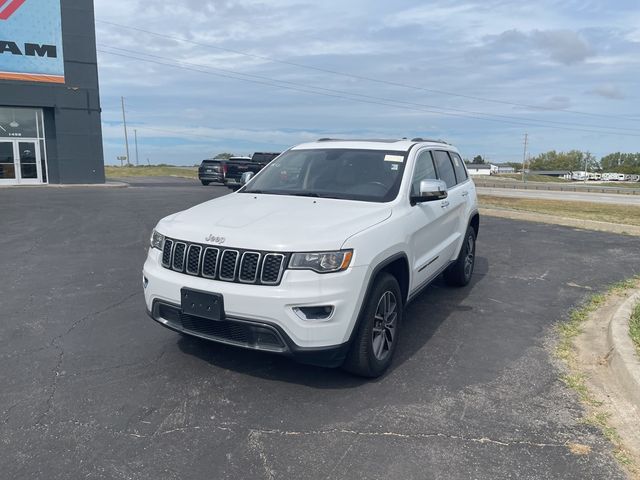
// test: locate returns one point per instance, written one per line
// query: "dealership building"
(50, 129)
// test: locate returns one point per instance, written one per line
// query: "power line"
(471, 113)
(362, 77)
(341, 94)
(180, 134)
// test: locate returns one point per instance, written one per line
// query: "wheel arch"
(474, 222)
(396, 265)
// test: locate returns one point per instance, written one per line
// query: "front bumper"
(211, 177)
(246, 334)
(271, 305)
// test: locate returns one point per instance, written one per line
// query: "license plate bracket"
(202, 304)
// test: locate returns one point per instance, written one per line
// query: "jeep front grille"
(225, 264)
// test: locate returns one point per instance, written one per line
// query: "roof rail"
(381, 140)
(419, 139)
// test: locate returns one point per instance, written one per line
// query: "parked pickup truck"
(236, 166)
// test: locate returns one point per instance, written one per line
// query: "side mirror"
(430, 190)
(246, 176)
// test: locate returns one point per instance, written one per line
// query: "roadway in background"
(613, 199)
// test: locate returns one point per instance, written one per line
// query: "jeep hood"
(274, 222)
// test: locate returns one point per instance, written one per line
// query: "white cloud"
(608, 91)
(554, 54)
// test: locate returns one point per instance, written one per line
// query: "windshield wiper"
(304, 194)
(266, 192)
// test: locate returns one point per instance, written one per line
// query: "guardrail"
(558, 188)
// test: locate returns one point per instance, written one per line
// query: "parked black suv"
(211, 170)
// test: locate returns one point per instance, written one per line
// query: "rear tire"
(459, 273)
(376, 339)
(205, 182)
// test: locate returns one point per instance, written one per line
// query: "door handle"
(444, 204)
(465, 193)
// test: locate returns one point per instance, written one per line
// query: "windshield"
(350, 174)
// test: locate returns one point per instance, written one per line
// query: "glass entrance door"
(29, 163)
(7, 163)
(20, 162)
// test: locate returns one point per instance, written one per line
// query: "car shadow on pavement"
(422, 319)
(427, 312)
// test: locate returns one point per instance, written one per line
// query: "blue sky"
(478, 74)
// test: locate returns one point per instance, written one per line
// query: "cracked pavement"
(92, 388)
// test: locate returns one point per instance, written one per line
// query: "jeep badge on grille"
(214, 239)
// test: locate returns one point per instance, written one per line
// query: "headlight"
(321, 262)
(157, 240)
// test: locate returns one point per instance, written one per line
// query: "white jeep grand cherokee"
(318, 255)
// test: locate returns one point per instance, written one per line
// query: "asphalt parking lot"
(92, 388)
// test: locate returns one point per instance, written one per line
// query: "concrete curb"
(107, 184)
(623, 361)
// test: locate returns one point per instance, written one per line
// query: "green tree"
(572, 160)
(477, 159)
(224, 155)
(621, 163)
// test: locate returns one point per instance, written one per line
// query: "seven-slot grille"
(226, 264)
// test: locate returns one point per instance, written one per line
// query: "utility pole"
(586, 172)
(524, 157)
(126, 138)
(135, 132)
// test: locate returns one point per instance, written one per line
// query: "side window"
(424, 170)
(458, 166)
(445, 168)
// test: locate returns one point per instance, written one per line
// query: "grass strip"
(567, 332)
(601, 212)
(150, 171)
(531, 177)
(634, 327)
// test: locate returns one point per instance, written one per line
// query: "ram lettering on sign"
(31, 41)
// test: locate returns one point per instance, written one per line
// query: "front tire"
(377, 337)
(459, 273)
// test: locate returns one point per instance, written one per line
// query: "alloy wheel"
(384, 325)
(469, 259)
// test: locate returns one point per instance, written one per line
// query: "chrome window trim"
(277, 281)
(255, 276)
(235, 266)
(215, 265)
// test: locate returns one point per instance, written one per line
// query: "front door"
(430, 227)
(20, 162)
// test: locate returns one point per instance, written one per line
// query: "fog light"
(314, 313)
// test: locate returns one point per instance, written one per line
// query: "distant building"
(505, 169)
(482, 169)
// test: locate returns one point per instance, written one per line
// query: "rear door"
(465, 188)
(453, 206)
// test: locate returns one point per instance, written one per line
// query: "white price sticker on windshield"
(394, 158)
